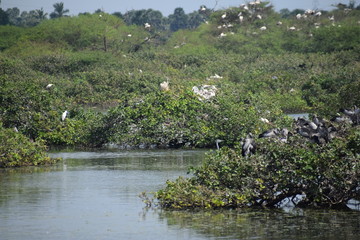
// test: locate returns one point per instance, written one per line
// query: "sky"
(165, 6)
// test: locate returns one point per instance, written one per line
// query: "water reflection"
(268, 224)
(94, 195)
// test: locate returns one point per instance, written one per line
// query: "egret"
(223, 16)
(49, 85)
(147, 25)
(248, 146)
(164, 86)
(259, 16)
(217, 141)
(263, 28)
(264, 120)
(63, 116)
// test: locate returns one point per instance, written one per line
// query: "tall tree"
(4, 18)
(41, 15)
(14, 16)
(178, 20)
(59, 10)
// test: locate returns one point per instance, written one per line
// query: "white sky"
(165, 6)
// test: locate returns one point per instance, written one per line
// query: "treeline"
(178, 20)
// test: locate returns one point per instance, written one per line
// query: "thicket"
(296, 173)
(107, 73)
(17, 150)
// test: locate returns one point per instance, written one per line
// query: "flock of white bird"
(253, 9)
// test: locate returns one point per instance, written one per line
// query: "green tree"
(140, 17)
(14, 15)
(41, 15)
(285, 13)
(195, 19)
(59, 10)
(4, 18)
(178, 20)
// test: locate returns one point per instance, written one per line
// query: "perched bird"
(264, 120)
(248, 146)
(217, 141)
(147, 25)
(63, 116)
(164, 86)
(269, 133)
(49, 85)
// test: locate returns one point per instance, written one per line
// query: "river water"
(94, 195)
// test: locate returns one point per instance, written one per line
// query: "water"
(299, 115)
(94, 195)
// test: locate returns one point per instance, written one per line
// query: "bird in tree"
(59, 10)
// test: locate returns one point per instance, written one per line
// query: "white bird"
(259, 16)
(63, 116)
(217, 141)
(129, 35)
(292, 28)
(241, 18)
(223, 16)
(147, 25)
(298, 16)
(223, 35)
(264, 120)
(263, 28)
(248, 146)
(279, 23)
(318, 14)
(49, 85)
(164, 86)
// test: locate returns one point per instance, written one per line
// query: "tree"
(195, 19)
(14, 16)
(285, 13)
(41, 15)
(140, 17)
(118, 14)
(4, 18)
(178, 20)
(59, 10)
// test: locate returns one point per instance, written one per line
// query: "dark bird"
(269, 133)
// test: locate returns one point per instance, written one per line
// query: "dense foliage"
(105, 70)
(17, 150)
(304, 173)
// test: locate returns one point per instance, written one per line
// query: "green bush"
(307, 174)
(16, 150)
